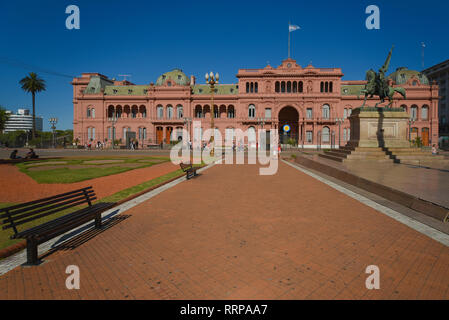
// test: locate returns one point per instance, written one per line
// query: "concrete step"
(339, 159)
(418, 157)
(336, 154)
(367, 157)
(369, 160)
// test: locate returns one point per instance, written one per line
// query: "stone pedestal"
(378, 128)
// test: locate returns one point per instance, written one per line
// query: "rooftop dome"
(176, 75)
(402, 75)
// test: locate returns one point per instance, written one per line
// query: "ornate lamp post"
(212, 80)
(261, 122)
(113, 121)
(411, 121)
(339, 121)
(188, 121)
(53, 122)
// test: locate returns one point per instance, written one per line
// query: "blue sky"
(147, 38)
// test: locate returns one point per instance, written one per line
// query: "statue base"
(379, 128)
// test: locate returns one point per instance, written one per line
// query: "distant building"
(302, 103)
(22, 120)
(440, 74)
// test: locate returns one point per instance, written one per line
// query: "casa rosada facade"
(314, 102)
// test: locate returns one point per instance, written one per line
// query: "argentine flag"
(292, 27)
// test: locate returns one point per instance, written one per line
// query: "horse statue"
(377, 85)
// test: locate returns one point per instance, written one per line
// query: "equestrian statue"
(377, 85)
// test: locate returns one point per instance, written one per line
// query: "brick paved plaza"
(233, 234)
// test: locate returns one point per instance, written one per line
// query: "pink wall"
(266, 97)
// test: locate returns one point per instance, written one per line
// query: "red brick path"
(17, 187)
(232, 234)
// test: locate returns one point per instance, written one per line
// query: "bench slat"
(17, 206)
(18, 218)
(47, 213)
(40, 205)
(70, 218)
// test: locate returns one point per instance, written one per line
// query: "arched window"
(414, 112)
(169, 111)
(326, 135)
(425, 112)
(252, 111)
(252, 87)
(88, 113)
(300, 86)
(143, 111)
(289, 87)
(110, 112)
(295, 87)
(198, 112)
(179, 111)
(160, 111)
(247, 87)
(216, 113)
(231, 112)
(277, 86)
(118, 111)
(404, 107)
(326, 112)
(283, 86)
(256, 87)
(134, 112)
(127, 111)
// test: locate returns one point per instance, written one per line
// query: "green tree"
(3, 118)
(33, 84)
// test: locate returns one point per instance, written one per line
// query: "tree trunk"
(34, 115)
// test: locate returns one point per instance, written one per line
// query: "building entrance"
(288, 125)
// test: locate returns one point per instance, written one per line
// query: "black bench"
(13, 216)
(189, 170)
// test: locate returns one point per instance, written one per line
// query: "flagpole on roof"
(289, 39)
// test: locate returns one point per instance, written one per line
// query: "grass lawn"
(66, 174)
(5, 241)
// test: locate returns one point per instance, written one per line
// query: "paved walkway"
(232, 234)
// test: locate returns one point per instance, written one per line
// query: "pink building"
(310, 100)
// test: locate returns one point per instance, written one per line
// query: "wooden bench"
(189, 170)
(14, 216)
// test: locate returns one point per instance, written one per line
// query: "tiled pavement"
(232, 234)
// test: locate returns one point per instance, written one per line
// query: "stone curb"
(424, 206)
(12, 249)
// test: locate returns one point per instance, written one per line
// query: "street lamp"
(113, 121)
(411, 121)
(212, 80)
(188, 121)
(261, 122)
(339, 121)
(53, 122)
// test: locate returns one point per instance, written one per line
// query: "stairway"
(348, 153)
(392, 155)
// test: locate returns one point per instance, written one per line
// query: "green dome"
(176, 76)
(403, 75)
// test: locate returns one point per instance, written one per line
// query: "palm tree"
(3, 118)
(32, 83)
